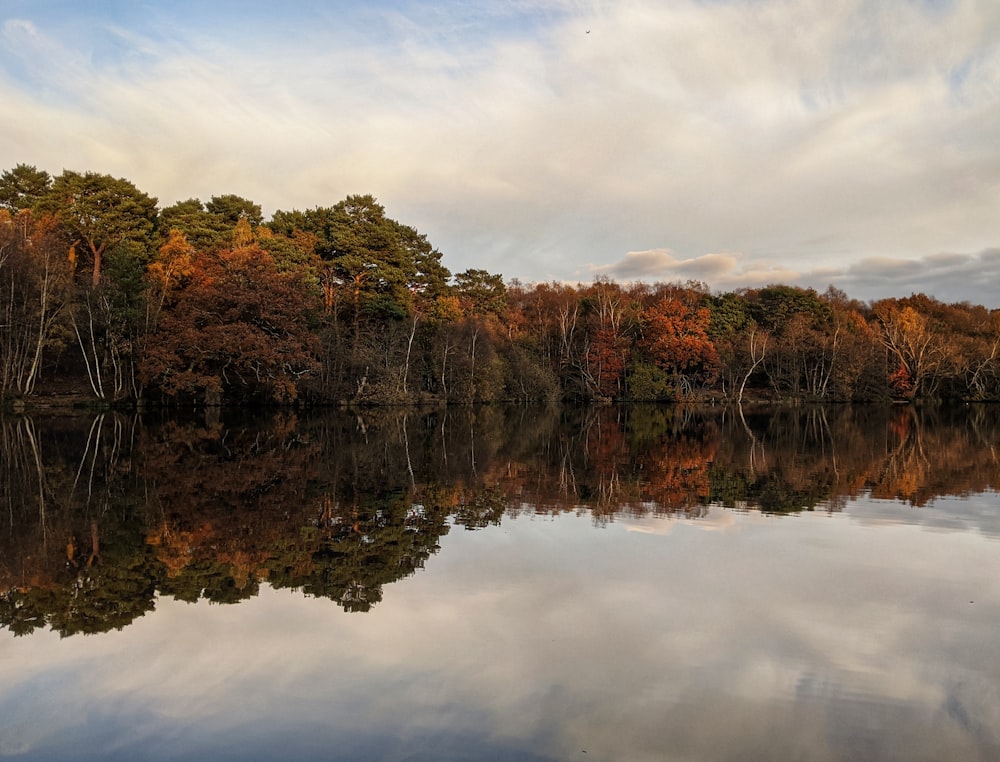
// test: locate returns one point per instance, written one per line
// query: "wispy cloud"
(540, 139)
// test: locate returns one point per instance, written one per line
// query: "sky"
(853, 143)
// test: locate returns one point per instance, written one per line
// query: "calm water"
(660, 584)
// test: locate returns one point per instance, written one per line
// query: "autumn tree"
(858, 372)
(983, 368)
(553, 320)
(232, 327)
(915, 345)
(170, 270)
(528, 373)
(609, 345)
(675, 337)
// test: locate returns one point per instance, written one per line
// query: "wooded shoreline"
(107, 300)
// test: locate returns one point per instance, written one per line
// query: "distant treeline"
(103, 293)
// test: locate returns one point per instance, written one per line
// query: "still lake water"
(525, 584)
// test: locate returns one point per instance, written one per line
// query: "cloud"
(16, 28)
(660, 264)
(804, 135)
(950, 277)
(721, 271)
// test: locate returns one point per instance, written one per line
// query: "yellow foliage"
(174, 261)
(243, 234)
(446, 308)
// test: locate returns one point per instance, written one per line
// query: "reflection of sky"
(850, 636)
(976, 513)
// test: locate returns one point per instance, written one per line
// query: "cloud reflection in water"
(820, 636)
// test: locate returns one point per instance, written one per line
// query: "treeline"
(208, 303)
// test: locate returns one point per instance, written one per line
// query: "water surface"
(503, 584)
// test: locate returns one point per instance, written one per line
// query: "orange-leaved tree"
(916, 346)
(233, 326)
(675, 335)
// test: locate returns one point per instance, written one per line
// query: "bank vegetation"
(107, 296)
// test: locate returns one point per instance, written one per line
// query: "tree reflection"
(352, 549)
(73, 556)
(100, 515)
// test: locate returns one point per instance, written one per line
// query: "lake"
(642, 583)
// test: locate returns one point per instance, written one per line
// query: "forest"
(108, 297)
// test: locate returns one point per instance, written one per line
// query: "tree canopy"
(22, 187)
(99, 212)
(209, 302)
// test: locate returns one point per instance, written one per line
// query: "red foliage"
(235, 326)
(901, 382)
(606, 359)
(676, 335)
